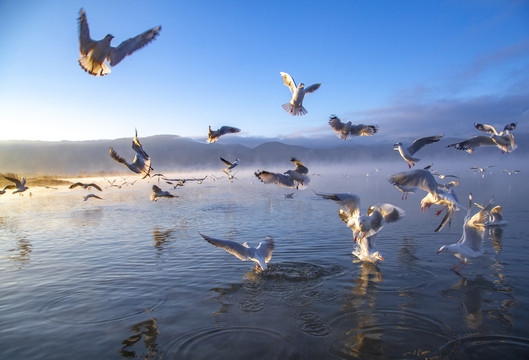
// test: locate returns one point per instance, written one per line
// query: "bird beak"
(381, 258)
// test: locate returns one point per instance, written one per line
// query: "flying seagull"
(346, 130)
(20, 185)
(261, 254)
(407, 152)
(229, 165)
(141, 163)
(91, 196)
(158, 193)
(85, 186)
(213, 135)
(410, 181)
(513, 172)
(295, 106)
(290, 178)
(504, 140)
(471, 243)
(94, 53)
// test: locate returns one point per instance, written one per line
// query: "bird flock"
(95, 54)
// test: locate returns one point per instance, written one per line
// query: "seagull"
(408, 152)
(513, 172)
(347, 130)
(91, 196)
(364, 226)
(261, 254)
(290, 178)
(410, 181)
(471, 243)
(503, 140)
(480, 169)
(158, 193)
(229, 165)
(85, 186)
(20, 185)
(213, 135)
(94, 53)
(141, 163)
(295, 106)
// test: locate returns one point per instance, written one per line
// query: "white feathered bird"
(94, 53)
(295, 106)
(261, 254)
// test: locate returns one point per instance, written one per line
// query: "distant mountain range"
(173, 153)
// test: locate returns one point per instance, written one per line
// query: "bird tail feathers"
(93, 68)
(294, 110)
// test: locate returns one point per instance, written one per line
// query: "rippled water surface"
(126, 277)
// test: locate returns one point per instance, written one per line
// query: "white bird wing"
(234, 248)
(363, 130)
(389, 212)
(474, 227)
(86, 44)
(474, 142)
(266, 248)
(349, 202)
(423, 179)
(312, 88)
(275, 178)
(336, 124)
(300, 168)
(288, 81)
(421, 142)
(129, 46)
(486, 128)
(138, 148)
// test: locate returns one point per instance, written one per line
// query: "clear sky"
(414, 68)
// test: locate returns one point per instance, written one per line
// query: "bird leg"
(465, 262)
(440, 211)
(409, 166)
(459, 263)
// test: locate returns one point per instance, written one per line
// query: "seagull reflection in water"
(148, 330)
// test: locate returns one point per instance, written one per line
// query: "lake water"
(127, 277)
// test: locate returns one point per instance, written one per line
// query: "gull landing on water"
(471, 243)
(94, 53)
(407, 152)
(295, 106)
(364, 227)
(261, 255)
(158, 193)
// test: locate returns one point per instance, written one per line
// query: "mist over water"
(127, 277)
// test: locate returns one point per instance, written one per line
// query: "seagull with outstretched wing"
(94, 53)
(295, 106)
(261, 254)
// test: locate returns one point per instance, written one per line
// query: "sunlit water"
(126, 277)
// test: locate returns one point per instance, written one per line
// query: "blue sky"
(414, 68)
